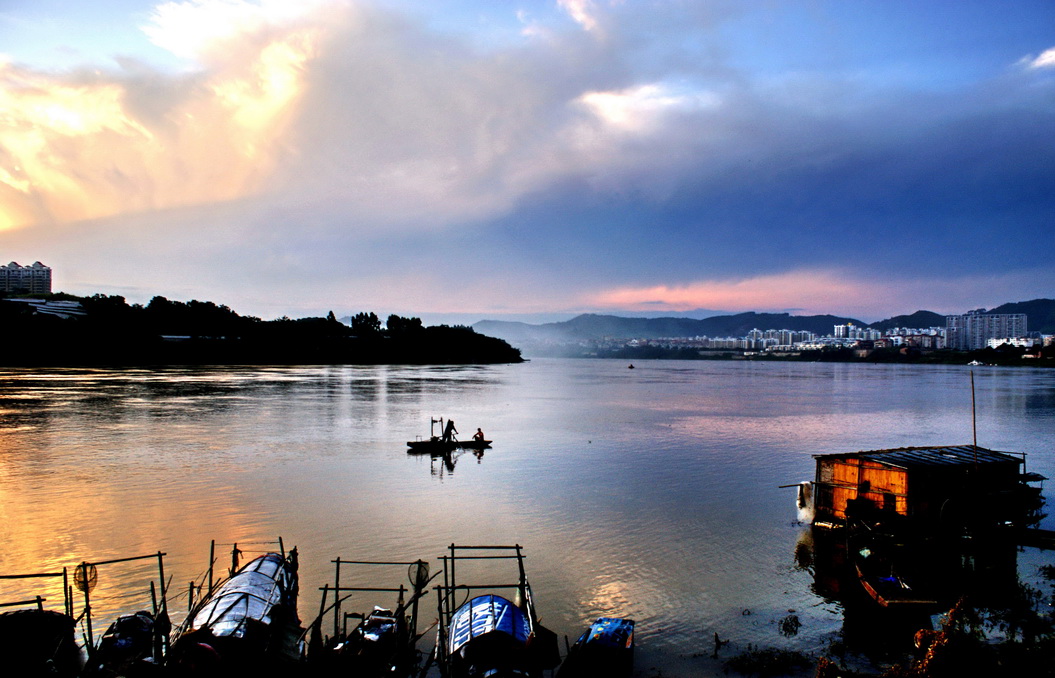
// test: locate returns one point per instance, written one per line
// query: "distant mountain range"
(591, 326)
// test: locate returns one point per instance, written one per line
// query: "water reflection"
(943, 569)
(650, 493)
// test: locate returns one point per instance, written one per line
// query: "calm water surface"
(650, 493)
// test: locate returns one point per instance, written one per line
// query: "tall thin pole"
(974, 426)
(87, 607)
(212, 559)
(67, 593)
(337, 598)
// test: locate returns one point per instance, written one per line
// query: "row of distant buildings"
(970, 331)
(33, 279)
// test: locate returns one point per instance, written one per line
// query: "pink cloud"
(811, 292)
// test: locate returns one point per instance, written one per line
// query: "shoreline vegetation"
(106, 330)
(111, 332)
(1009, 635)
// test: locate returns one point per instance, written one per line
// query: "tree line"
(113, 332)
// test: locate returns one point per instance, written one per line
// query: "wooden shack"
(950, 486)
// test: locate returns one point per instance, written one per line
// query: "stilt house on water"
(947, 487)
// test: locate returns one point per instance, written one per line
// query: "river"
(651, 493)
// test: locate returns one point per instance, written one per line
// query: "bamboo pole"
(337, 608)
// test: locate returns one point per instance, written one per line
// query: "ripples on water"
(649, 493)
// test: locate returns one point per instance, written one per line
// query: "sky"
(472, 159)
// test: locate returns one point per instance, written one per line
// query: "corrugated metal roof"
(914, 457)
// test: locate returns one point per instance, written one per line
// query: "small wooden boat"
(376, 647)
(445, 444)
(490, 635)
(248, 623)
(384, 643)
(883, 569)
(435, 446)
(606, 649)
(38, 642)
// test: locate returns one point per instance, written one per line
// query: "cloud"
(1045, 60)
(86, 145)
(581, 11)
(206, 31)
(642, 108)
(808, 289)
(323, 103)
(345, 140)
(823, 291)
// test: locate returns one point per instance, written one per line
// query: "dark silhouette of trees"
(366, 324)
(112, 332)
(397, 326)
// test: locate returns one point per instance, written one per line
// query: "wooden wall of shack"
(841, 480)
(926, 493)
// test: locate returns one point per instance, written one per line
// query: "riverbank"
(1004, 357)
(106, 331)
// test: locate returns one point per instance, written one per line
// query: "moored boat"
(605, 649)
(248, 624)
(38, 642)
(884, 569)
(490, 635)
(384, 642)
(130, 646)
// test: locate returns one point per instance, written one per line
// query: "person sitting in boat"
(478, 436)
(448, 433)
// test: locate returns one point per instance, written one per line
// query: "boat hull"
(249, 621)
(436, 446)
(489, 637)
(606, 649)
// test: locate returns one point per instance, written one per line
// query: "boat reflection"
(881, 622)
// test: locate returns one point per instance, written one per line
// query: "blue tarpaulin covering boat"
(489, 636)
(487, 614)
(606, 649)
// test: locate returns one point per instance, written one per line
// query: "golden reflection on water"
(650, 494)
(609, 599)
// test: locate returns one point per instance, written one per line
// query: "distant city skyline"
(466, 160)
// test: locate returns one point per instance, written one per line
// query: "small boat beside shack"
(246, 624)
(489, 634)
(888, 571)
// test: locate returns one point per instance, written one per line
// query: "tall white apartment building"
(974, 329)
(35, 279)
